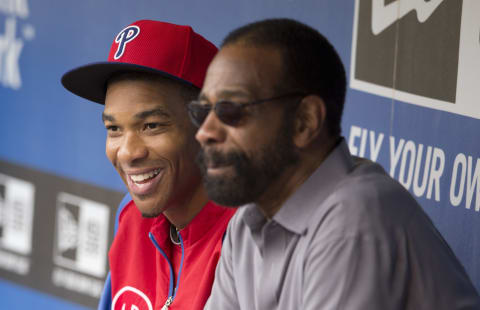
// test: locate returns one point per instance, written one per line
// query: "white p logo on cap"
(126, 35)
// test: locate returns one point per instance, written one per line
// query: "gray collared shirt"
(350, 237)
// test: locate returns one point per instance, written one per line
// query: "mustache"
(214, 158)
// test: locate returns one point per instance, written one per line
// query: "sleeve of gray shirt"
(224, 295)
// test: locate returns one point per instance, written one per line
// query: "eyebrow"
(142, 115)
(107, 117)
(154, 112)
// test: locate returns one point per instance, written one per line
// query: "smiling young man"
(169, 235)
(319, 229)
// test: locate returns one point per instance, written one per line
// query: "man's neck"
(182, 213)
(291, 179)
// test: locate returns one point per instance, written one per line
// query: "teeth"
(145, 176)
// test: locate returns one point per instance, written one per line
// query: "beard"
(252, 174)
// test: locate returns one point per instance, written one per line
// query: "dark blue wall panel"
(401, 89)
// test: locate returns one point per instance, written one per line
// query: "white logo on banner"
(81, 237)
(431, 59)
(12, 42)
(16, 218)
(81, 240)
(384, 15)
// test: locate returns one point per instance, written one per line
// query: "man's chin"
(228, 192)
(231, 201)
(148, 210)
(150, 215)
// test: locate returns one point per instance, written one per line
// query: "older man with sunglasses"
(319, 229)
(169, 234)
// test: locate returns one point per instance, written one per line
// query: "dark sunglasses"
(229, 112)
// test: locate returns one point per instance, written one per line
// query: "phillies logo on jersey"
(125, 36)
(130, 298)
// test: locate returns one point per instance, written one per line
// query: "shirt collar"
(295, 213)
(297, 210)
(199, 227)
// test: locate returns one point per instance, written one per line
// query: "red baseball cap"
(170, 50)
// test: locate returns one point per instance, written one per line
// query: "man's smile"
(144, 182)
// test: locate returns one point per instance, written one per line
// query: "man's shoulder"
(368, 185)
(366, 201)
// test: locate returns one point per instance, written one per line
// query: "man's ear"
(309, 120)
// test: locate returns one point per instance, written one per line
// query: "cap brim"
(90, 81)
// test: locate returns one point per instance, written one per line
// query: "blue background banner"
(412, 105)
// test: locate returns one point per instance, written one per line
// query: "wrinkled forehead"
(245, 69)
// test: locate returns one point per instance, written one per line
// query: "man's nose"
(132, 148)
(211, 131)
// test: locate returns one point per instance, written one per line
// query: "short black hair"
(311, 63)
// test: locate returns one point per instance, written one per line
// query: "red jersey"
(147, 268)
